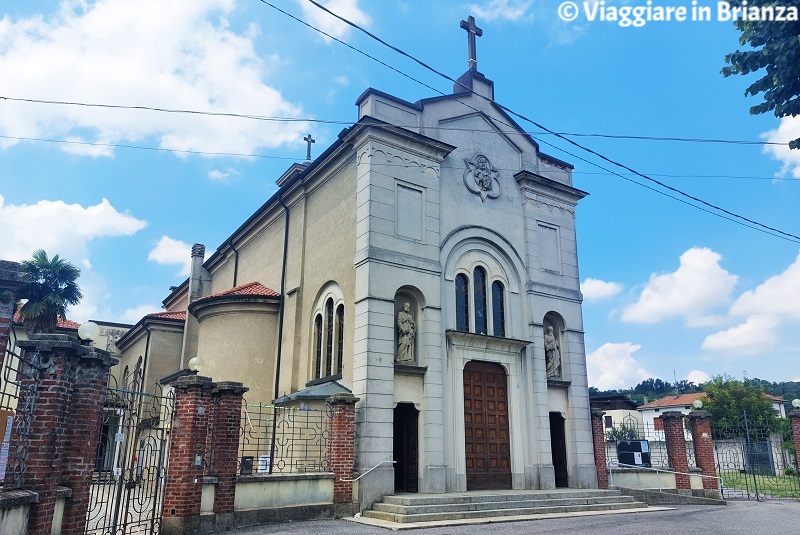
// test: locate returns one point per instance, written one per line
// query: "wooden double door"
(487, 440)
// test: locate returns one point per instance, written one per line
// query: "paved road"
(745, 517)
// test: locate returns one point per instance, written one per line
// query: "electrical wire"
(745, 221)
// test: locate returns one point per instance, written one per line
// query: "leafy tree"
(775, 56)
(50, 288)
(625, 431)
(727, 400)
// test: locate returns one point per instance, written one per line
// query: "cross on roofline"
(472, 31)
(308, 139)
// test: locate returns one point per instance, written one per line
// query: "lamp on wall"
(196, 364)
(697, 404)
(88, 331)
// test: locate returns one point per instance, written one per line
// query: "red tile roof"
(175, 315)
(683, 400)
(680, 400)
(62, 324)
(250, 288)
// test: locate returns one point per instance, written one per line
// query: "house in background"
(618, 408)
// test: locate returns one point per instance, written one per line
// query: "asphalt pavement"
(745, 517)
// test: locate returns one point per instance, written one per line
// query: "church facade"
(426, 262)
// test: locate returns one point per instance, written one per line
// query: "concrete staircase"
(423, 508)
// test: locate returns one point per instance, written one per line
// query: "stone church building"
(426, 262)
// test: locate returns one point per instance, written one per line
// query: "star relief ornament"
(481, 178)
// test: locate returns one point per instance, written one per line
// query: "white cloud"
(133, 315)
(778, 295)
(697, 286)
(756, 334)
(222, 176)
(347, 9)
(171, 251)
(697, 377)
(342, 80)
(613, 366)
(501, 9)
(61, 228)
(788, 129)
(593, 289)
(178, 54)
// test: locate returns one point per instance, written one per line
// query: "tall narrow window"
(462, 302)
(329, 339)
(339, 337)
(318, 335)
(479, 276)
(498, 309)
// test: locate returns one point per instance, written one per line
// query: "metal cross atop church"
(472, 31)
(309, 140)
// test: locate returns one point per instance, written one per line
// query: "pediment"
(483, 124)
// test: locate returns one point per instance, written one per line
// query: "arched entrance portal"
(406, 449)
(487, 443)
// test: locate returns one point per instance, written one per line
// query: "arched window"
(339, 337)
(498, 309)
(329, 337)
(125, 378)
(318, 345)
(479, 276)
(462, 302)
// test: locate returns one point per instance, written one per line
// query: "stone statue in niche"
(552, 352)
(406, 330)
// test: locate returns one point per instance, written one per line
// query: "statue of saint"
(552, 352)
(406, 330)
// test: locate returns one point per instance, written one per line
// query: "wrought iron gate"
(127, 492)
(756, 462)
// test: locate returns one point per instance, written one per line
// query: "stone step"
(475, 497)
(527, 503)
(488, 513)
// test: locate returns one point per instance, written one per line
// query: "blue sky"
(671, 291)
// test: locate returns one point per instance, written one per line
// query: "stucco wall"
(268, 491)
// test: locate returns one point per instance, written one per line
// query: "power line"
(350, 123)
(290, 158)
(739, 217)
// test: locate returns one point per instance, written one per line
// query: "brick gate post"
(676, 448)
(187, 446)
(225, 436)
(342, 447)
(83, 434)
(794, 415)
(599, 440)
(51, 446)
(704, 448)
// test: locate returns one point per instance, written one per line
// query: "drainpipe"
(280, 332)
(235, 263)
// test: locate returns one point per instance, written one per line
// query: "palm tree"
(50, 288)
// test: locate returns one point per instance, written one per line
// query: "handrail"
(638, 467)
(367, 472)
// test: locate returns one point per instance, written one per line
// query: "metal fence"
(630, 428)
(283, 440)
(19, 387)
(756, 460)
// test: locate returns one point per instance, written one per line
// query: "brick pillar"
(82, 435)
(794, 416)
(341, 445)
(190, 426)
(52, 445)
(225, 436)
(599, 440)
(704, 448)
(676, 447)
